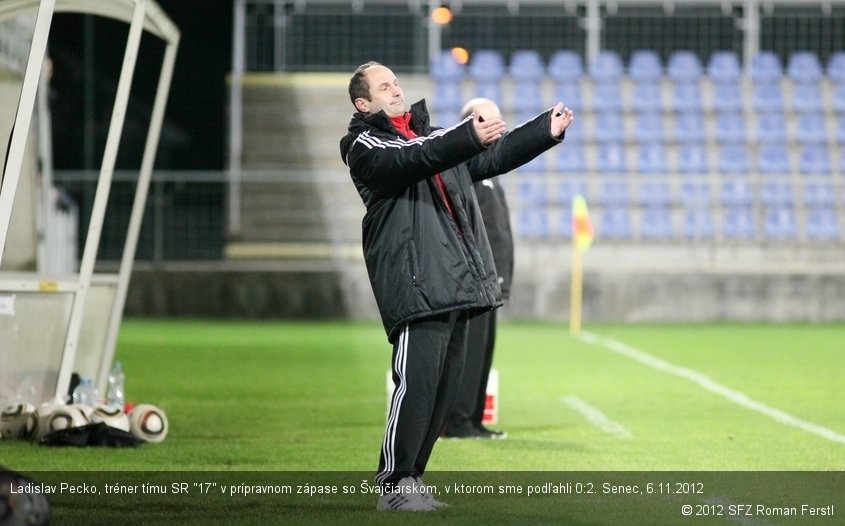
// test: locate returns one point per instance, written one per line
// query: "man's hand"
(488, 130)
(561, 119)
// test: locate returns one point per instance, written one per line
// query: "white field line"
(711, 385)
(597, 418)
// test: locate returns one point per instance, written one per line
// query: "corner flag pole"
(582, 238)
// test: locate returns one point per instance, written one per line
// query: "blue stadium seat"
(767, 97)
(655, 193)
(489, 90)
(684, 66)
(807, 98)
(836, 67)
(766, 67)
(645, 65)
(647, 97)
(569, 158)
(487, 65)
(690, 128)
(448, 96)
(814, 159)
(736, 193)
(842, 161)
(727, 97)
(698, 223)
(739, 223)
(819, 195)
(533, 223)
(444, 68)
(771, 127)
(563, 223)
(609, 127)
(839, 98)
(811, 128)
(723, 67)
(822, 224)
(569, 94)
(615, 223)
(614, 193)
(576, 133)
(532, 191)
(730, 128)
(611, 159)
(840, 130)
(607, 96)
(649, 128)
(804, 67)
(780, 223)
(686, 97)
(777, 194)
(527, 97)
(446, 118)
(692, 159)
(773, 159)
(695, 194)
(567, 189)
(565, 66)
(527, 65)
(652, 159)
(606, 67)
(656, 223)
(536, 165)
(733, 159)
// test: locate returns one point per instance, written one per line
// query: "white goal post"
(52, 311)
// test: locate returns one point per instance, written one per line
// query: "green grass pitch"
(248, 397)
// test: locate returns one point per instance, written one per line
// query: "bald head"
(484, 107)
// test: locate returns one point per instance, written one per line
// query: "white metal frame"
(140, 15)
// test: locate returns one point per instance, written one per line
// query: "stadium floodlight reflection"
(61, 305)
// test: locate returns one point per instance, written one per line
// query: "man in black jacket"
(426, 252)
(465, 420)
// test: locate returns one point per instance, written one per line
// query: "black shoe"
(491, 433)
(463, 431)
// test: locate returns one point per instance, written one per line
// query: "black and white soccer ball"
(111, 416)
(148, 422)
(18, 421)
(54, 416)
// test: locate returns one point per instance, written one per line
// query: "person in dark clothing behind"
(465, 419)
(426, 253)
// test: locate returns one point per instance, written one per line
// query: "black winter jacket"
(497, 224)
(419, 260)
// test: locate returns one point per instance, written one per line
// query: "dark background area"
(86, 70)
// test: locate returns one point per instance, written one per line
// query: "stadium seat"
(527, 65)
(686, 97)
(727, 97)
(773, 159)
(606, 67)
(656, 223)
(804, 67)
(839, 98)
(819, 195)
(777, 194)
(736, 194)
(739, 223)
(607, 96)
(487, 65)
(448, 96)
(536, 165)
(576, 133)
(649, 128)
(489, 90)
(563, 223)
(733, 159)
(532, 191)
(565, 66)
(840, 130)
(836, 67)
(609, 127)
(645, 66)
(647, 97)
(771, 127)
(698, 223)
(766, 68)
(611, 159)
(652, 159)
(811, 128)
(780, 223)
(445, 68)
(614, 193)
(767, 97)
(695, 194)
(533, 223)
(569, 93)
(822, 224)
(684, 66)
(614, 223)
(807, 98)
(692, 159)
(814, 159)
(730, 128)
(527, 97)
(567, 189)
(723, 67)
(690, 128)
(569, 158)
(446, 118)
(655, 193)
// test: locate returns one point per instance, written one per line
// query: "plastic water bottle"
(115, 393)
(86, 394)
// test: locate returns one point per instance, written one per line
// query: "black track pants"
(468, 409)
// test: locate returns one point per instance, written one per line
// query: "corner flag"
(582, 226)
(582, 238)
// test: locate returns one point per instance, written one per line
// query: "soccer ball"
(148, 422)
(18, 421)
(56, 417)
(111, 416)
